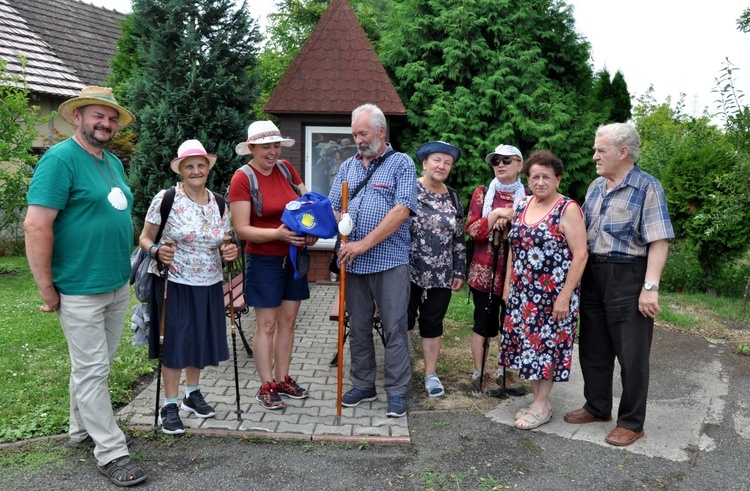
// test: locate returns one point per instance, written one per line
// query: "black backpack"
(140, 260)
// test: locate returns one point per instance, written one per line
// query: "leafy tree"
(479, 73)
(732, 109)
(743, 23)
(190, 81)
(287, 30)
(18, 122)
(661, 129)
(705, 180)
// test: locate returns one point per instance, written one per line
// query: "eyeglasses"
(505, 161)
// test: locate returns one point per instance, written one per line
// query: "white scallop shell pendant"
(117, 199)
(345, 224)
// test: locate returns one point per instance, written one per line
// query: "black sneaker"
(169, 419)
(196, 404)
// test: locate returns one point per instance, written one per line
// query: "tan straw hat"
(91, 95)
(259, 133)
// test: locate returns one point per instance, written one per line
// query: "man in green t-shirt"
(78, 239)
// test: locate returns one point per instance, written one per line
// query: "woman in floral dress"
(546, 261)
(438, 254)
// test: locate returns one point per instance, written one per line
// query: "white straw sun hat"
(259, 133)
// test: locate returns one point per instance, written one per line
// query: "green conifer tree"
(191, 80)
(621, 105)
(479, 73)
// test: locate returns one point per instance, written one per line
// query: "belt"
(598, 258)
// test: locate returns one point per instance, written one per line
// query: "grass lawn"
(34, 362)
(34, 366)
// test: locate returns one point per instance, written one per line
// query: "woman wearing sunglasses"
(491, 209)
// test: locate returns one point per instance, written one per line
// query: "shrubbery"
(18, 122)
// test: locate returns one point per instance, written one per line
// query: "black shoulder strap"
(166, 206)
(456, 198)
(221, 202)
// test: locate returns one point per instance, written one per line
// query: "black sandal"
(123, 472)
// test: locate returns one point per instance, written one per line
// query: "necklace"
(198, 196)
(115, 197)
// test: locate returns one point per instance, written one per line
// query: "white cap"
(504, 151)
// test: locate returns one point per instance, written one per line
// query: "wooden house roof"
(335, 71)
(68, 43)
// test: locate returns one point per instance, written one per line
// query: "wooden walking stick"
(232, 320)
(162, 325)
(342, 310)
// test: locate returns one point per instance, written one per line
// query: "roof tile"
(335, 71)
(71, 41)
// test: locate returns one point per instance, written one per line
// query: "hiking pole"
(232, 320)
(486, 344)
(162, 325)
(342, 308)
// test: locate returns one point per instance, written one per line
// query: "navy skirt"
(195, 333)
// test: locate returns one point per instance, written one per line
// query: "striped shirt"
(623, 221)
(393, 183)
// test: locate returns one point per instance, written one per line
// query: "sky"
(676, 46)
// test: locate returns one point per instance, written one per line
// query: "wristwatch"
(650, 286)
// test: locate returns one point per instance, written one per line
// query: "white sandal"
(433, 386)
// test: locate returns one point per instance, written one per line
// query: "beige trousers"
(92, 325)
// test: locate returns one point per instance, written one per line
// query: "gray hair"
(377, 118)
(623, 135)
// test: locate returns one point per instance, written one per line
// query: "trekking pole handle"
(227, 239)
(495, 238)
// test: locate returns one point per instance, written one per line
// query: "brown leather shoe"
(622, 437)
(581, 417)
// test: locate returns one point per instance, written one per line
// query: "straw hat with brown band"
(91, 95)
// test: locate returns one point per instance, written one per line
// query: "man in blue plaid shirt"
(376, 257)
(628, 230)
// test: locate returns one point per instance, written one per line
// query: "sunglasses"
(504, 160)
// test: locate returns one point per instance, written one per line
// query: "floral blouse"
(197, 231)
(438, 251)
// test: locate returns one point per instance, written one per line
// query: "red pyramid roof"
(335, 71)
